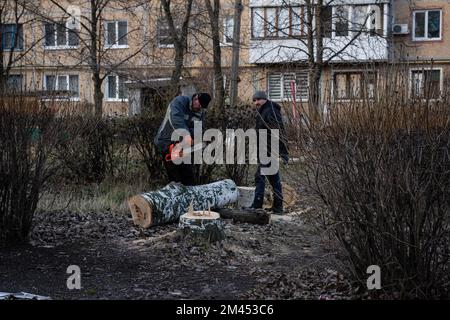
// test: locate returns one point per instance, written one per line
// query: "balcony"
(352, 31)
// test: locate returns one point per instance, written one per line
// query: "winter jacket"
(269, 117)
(179, 115)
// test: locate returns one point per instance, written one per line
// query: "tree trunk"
(259, 216)
(213, 13)
(169, 203)
(98, 96)
(236, 47)
(202, 226)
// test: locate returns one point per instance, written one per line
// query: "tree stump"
(202, 226)
(169, 203)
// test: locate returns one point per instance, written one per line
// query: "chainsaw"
(184, 151)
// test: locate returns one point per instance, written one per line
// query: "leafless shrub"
(29, 133)
(381, 167)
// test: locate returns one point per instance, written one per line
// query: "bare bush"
(381, 166)
(29, 132)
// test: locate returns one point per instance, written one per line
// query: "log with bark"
(169, 203)
(255, 216)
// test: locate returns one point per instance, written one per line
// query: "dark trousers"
(275, 182)
(183, 173)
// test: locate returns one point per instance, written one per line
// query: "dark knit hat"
(204, 99)
(260, 95)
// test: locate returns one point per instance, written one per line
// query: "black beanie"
(204, 99)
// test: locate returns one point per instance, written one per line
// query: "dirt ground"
(287, 259)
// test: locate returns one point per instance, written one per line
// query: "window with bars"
(283, 86)
(11, 36)
(426, 83)
(116, 89)
(61, 83)
(58, 36)
(116, 34)
(354, 85)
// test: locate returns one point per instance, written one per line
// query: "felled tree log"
(258, 216)
(169, 203)
(202, 226)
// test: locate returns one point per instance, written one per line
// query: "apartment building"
(134, 45)
(421, 39)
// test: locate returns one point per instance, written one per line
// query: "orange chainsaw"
(184, 151)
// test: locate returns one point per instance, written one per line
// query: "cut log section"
(258, 216)
(169, 203)
(202, 226)
(245, 197)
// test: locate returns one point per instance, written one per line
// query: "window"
(271, 22)
(58, 36)
(326, 17)
(115, 88)
(298, 19)
(228, 25)
(284, 22)
(427, 25)
(164, 36)
(258, 22)
(116, 34)
(274, 22)
(354, 85)
(426, 83)
(68, 83)
(282, 85)
(341, 21)
(12, 36)
(15, 83)
(368, 19)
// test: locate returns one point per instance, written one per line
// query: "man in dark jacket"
(268, 116)
(183, 112)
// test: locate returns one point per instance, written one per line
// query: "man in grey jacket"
(182, 113)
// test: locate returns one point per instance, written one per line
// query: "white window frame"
(283, 98)
(160, 45)
(441, 80)
(425, 38)
(116, 99)
(56, 46)
(334, 20)
(116, 27)
(67, 76)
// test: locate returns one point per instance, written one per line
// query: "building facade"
(44, 48)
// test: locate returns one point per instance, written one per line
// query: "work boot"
(277, 207)
(257, 204)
